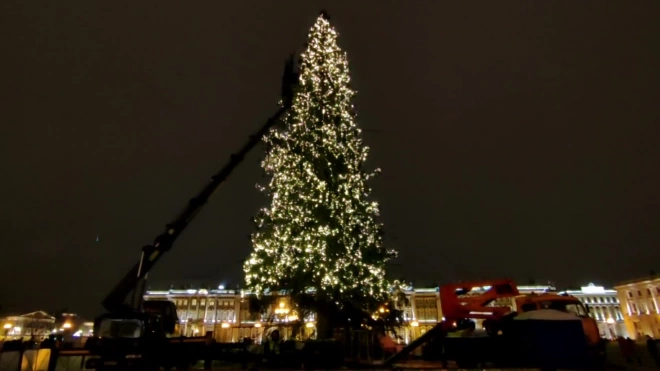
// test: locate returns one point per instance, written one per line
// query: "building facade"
(227, 313)
(39, 325)
(605, 307)
(640, 302)
(36, 325)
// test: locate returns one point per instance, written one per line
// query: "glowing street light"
(414, 324)
(7, 326)
(282, 310)
(66, 325)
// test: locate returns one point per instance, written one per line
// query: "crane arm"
(457, 303)
(152, 253)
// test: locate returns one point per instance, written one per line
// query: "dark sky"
(516, 139)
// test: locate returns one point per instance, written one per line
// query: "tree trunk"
(324, 323)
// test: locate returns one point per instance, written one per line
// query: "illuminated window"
(202, 302)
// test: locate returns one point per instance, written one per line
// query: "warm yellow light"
(309, 325)
(225, 325)
(257, 325)
(610, 320)
(66, 325)
(282, 304)
(414, 323)
(382, 310)
(7, 326)
(293, 317)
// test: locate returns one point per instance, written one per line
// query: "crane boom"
(116, 299)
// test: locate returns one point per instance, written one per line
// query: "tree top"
(324, 14)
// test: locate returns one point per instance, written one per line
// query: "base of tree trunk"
(324, 325)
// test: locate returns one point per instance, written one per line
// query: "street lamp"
(7, 326)
(66, 325)
(282, 310)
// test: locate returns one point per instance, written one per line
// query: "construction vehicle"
(135, 333)
(533, 330)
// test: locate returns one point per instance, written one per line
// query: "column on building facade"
(656, 315)
(654, 297)
(186, 328)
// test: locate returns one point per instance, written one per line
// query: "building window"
(185, 302)
(202, 302)
(630, 294)
(634, 308)
(194, 302)
(639, 293)
(648, 291)
(426, 309)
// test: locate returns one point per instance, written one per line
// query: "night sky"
(516, 139)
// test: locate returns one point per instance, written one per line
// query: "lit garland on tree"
(320, 232)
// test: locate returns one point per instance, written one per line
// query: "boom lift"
(136, 333)
(498, 303)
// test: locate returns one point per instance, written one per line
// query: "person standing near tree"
(272, 349)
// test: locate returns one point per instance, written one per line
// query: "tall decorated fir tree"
(320, 233)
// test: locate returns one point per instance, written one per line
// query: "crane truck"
(137, 333)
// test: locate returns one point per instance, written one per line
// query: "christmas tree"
(320, 233)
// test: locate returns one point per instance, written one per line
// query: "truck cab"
(562, 303)
(128, 339)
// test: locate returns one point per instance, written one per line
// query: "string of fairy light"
(320, 224)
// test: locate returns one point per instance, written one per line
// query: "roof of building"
(642, 280)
